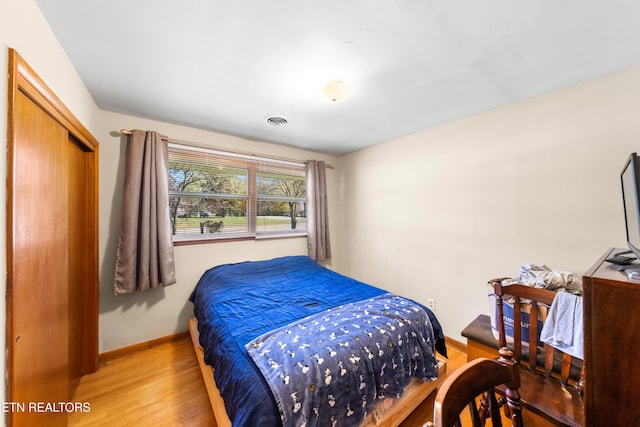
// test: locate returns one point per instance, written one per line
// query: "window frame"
(253, 165)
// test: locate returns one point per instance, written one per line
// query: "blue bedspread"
(236, 303)
(333, 367)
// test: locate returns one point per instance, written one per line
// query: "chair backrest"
(478, 379)
(542, 358)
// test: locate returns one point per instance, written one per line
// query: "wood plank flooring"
(162, 386)
(159, 386)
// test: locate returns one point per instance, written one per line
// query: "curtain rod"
(128, 132)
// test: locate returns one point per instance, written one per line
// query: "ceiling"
(410, 65)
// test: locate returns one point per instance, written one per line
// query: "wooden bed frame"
(392, 417)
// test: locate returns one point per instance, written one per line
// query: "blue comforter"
(333, 367)
(236, 303)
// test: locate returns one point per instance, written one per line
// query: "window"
(216, 195)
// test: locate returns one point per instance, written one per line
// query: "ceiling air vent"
(277, 121)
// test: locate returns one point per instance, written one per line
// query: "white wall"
(438, 213)
(133, 318)
(23, 28)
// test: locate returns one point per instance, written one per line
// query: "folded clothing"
(541, 276)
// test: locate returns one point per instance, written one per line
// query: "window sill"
(266, 236)
(262, 236)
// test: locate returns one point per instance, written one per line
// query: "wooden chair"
(552, 383)
(473, 383)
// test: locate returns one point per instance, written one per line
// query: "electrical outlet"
(431, 304)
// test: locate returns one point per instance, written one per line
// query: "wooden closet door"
(40, 357)
(52, 251)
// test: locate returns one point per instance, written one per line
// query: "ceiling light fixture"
(334, 91)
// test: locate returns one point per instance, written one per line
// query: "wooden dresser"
(612, 343)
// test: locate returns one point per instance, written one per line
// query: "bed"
(289, 342)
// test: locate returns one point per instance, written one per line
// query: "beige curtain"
(317, 215)
(145, 249)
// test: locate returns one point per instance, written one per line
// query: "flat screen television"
(630, 180)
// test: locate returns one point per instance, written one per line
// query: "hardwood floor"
(159, 386)
(162, 386)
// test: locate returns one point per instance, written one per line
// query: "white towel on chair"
(563, 328)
